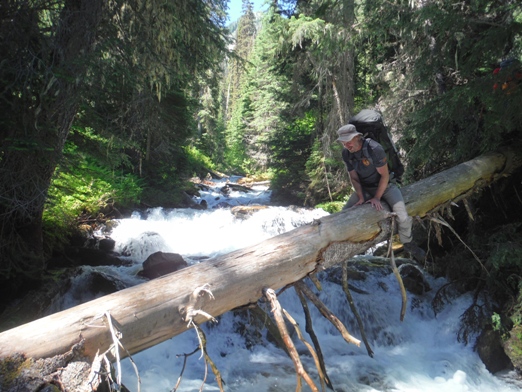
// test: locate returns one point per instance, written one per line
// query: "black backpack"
(371, 125)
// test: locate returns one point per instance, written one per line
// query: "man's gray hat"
(347, 132)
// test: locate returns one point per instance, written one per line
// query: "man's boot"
(415, 252)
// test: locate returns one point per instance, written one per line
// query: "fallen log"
(153, 312)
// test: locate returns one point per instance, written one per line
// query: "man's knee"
(402, 214)
(351, 201)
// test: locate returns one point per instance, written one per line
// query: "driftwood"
(150, 313)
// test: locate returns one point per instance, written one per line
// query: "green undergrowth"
(331, 207)
(82, 188)
(198, 161)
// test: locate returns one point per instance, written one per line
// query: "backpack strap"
(365, 153)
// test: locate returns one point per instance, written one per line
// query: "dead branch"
(217, 374)
(346, 290)
(438, 219)
(185, 356)
(310, 330)
(401, 285)
(308, 346)
(327, 313)
(468, 209)
(278, 316)
(396, 272)
(315, 281)
(260, 315)
(195, 303)
(191, 310)
(116, 334)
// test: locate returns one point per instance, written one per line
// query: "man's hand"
(375, 203)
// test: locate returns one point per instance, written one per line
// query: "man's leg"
(354, 199)
(393, 197)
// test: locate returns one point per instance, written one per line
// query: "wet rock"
(106, 244)
(413, 279)
(78, 256)
(34, 302)
(201, 206)
(160, 263)
(490, 350)
(513, 347)
(147, 240)
(103, 284)
(222, 204)
(238, 187)
(243, 212)
(187, 201)
(48, 297)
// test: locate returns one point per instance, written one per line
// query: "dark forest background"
(109, 106)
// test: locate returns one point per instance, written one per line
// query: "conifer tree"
(432, 63)
(309, 72)
(268, 89)
(236, 102)
(109, 62)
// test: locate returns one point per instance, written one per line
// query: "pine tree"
(432, 64)
(124, 66)
(237, 104)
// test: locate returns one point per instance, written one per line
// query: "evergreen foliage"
(83, 191)
(289, 156)
(125, 69)
(434, 64)
(244, 42)
(268, 90)
(237, 107)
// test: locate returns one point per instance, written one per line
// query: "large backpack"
(371, 125)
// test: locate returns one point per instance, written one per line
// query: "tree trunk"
(152, 312)
(39, 119)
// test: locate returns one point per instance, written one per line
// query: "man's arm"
(383, 184)
(356, 183)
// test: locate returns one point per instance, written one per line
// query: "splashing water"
(419, 354)
(195, 233)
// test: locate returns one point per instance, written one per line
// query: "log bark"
(149, 313)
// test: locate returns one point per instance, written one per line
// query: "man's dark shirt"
(366, 170)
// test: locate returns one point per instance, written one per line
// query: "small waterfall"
(421, 353)
(196, 233)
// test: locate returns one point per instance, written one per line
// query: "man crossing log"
(149, 313)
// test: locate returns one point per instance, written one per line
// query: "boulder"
(161, 263)
(51, 291)
(242, 212)
(106, 244)
(78, 256)
(513, 347)
(413, 279)
(490, 350)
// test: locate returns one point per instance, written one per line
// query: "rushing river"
(421, 353)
